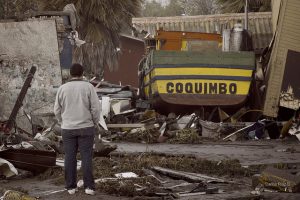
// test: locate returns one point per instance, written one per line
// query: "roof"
(260, 24)
(132, 38)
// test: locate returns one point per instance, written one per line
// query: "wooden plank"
(273, 91)
(292, 24)
(50, 13)
(291, 34)
(290, 45)
(292, 13)
(188, 176)
(232, 134)
(125, 125)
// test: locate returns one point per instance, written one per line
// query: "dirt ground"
(38, 188)
(248, 153)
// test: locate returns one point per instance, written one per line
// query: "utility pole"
(246, 14)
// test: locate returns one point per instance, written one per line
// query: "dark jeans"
(84, 140)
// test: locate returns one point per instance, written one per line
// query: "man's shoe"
(72, 191)
(89, 191)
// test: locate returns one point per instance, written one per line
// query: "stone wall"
(23, 44)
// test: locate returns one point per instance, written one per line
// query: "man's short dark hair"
(76, 70)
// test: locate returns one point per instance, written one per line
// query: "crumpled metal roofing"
(260, 25)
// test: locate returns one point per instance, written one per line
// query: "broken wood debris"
(191, 177)
(31, 160)
(279, 180)
(7, 169)
(10, 194)
(121, 116)
(125, 125)
(230, 135)
(122, 120)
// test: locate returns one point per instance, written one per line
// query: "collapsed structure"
(46, 43)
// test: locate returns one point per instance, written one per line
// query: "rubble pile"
(127, 118)
(153, 175)
(189, 136)
(15, 195)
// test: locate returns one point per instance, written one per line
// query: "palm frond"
(16, 8)
(101, 24)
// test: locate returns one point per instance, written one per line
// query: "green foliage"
(237, 6)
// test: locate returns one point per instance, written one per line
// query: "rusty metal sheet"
(132, 52)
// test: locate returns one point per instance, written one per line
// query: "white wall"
(24, 44)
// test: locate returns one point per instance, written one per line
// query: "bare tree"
(14, 8)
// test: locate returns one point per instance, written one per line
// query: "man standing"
(77, 108)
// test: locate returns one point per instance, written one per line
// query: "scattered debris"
(7, 169)
(186, 136)
(191, 177)
(7, 126)
(126, 117)
(112, 175)
(295, 125)
(32, 160)
(10, 194)
(279, 180)
(125, 126)
(126, 175)
(242, 129)
(210, 129)
(145, 175)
